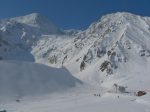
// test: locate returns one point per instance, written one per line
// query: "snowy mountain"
(19, 34)
(113, 50)
(112, 45)
(115, 42)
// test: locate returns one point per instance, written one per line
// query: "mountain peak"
(39, 21)
(115, 19)
(121, 16)
(34, 16)
(31, 19)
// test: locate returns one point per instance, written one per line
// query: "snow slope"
(81, 100)
(19, 79)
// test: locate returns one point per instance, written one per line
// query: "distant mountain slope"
(40, 22)
(18, 35)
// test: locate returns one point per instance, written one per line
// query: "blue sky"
(76, 14)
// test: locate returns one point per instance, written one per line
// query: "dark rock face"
(106, 65)
(82, 66)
